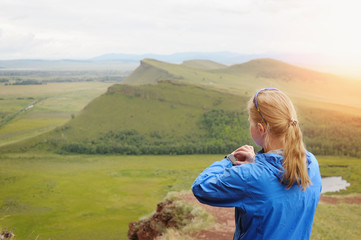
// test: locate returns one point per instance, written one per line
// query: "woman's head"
(273, 109)
(273, 112)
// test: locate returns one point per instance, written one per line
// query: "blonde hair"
(277, 113)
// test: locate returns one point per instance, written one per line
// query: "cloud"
(86, 28)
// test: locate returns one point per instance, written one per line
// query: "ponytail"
(294, 158)
(276, 112)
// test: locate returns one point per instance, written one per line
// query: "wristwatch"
(231, 158)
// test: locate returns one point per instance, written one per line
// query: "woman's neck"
(273, 144)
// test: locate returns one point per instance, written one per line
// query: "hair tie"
(293, 122)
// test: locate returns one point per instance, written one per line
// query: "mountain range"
(121, 61)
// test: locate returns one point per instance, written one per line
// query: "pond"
(334, 184)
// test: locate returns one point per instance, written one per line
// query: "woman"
(275, 192)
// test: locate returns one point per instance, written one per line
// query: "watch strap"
(231, 158)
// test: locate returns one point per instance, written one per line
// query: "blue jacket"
(264, 208)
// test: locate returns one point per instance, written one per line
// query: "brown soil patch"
(349, 199)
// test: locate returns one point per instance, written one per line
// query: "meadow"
(47, 196)
(337, 222)
(53, 105)
(50, 196)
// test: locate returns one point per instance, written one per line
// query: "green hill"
(167, 118)
(168, 107)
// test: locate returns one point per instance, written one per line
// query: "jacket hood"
(274, 160)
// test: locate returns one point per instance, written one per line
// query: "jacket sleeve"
(222, 184)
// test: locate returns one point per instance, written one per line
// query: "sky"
(78, 29)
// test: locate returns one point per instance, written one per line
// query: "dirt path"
(224, 227)
(349, 199)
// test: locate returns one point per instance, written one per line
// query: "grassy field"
(337, 222)
(53, 105)
(49, 196)
(87, 197)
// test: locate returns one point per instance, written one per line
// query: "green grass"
(82, 197)
(96, 196)
(22, 128)
(337, 222)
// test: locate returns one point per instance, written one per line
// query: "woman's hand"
(244, 154)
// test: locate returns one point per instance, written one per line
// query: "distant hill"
(223, 57)
(203, 64)
(250, 76)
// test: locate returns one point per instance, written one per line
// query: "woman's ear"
(260, 128)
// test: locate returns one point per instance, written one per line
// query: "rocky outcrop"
(168, 215)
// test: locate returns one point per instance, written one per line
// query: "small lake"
(333, 184)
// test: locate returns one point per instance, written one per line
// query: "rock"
(165, 217)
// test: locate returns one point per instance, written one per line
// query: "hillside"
(250, 76)
(153, 119)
